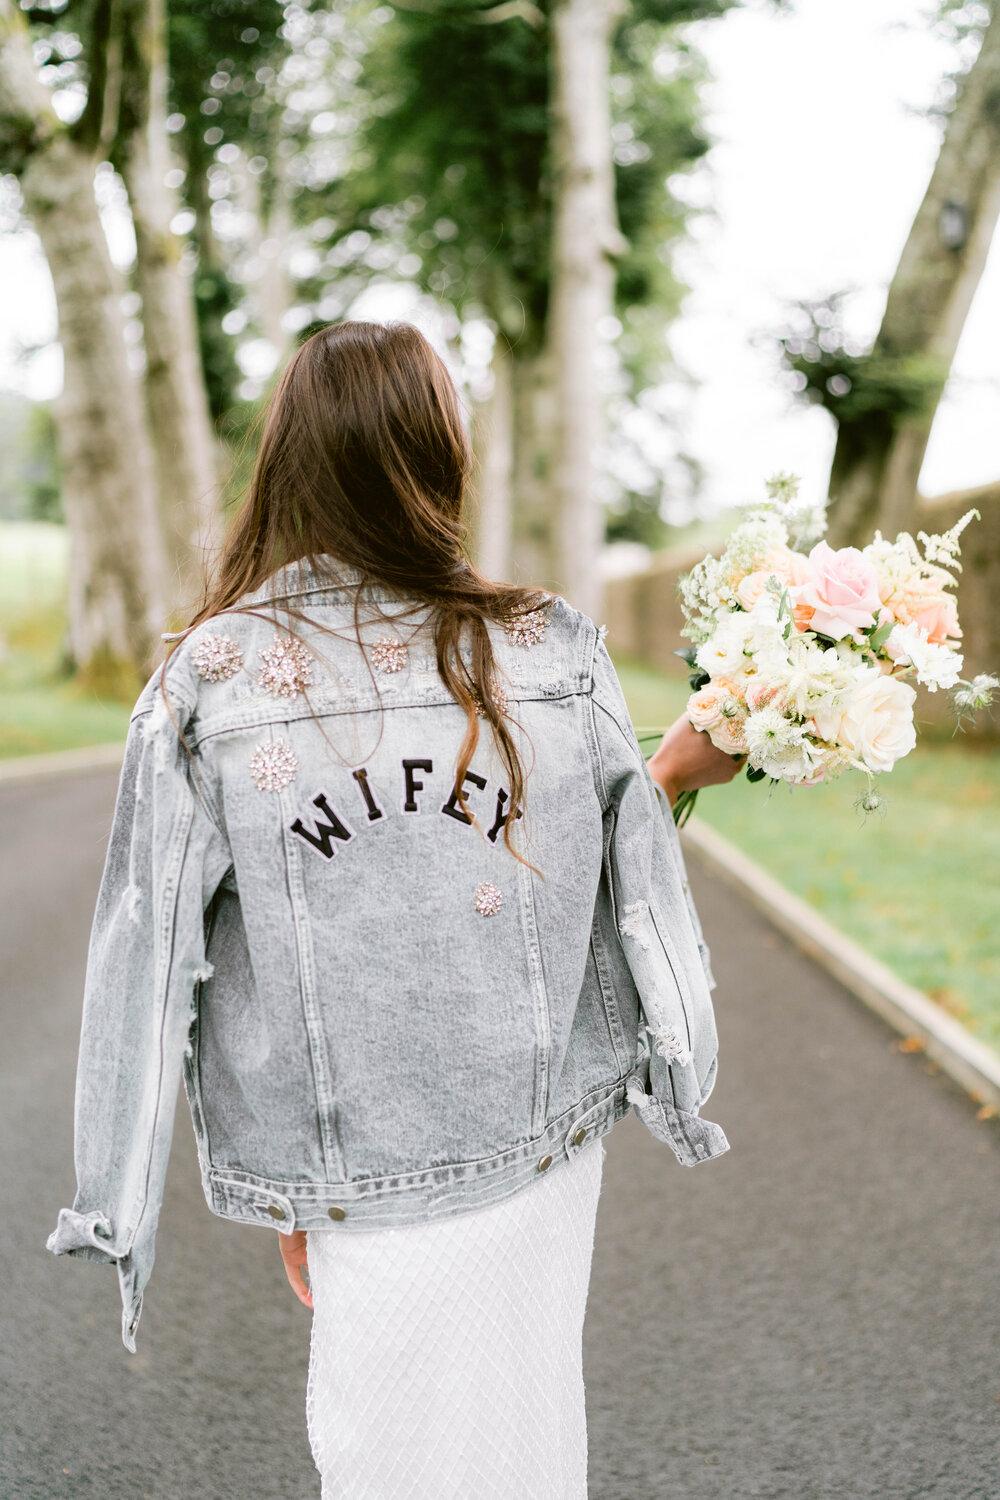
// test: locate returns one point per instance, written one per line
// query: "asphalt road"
(815, 1316)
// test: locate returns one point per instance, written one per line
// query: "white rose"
(877, 723)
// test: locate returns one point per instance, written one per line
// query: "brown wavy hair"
(364, 460)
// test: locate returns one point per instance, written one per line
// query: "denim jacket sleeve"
(146, 958)
(660, 934)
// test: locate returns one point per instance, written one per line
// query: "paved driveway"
(816, 1316)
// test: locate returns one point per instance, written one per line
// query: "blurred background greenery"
(203, 184)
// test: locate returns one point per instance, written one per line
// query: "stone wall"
(644, 618)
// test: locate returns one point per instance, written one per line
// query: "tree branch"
(507, 10)
(97, 123)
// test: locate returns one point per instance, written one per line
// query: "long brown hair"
(364, 459)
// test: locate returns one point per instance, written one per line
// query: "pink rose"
(841, 591)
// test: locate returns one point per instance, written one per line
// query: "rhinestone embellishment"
(287, 668)
(273, 765)
(527, 629)
(217, 657)
(500, 698)
(489, 898)
(388, 655)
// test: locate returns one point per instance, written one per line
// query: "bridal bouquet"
(804, 661)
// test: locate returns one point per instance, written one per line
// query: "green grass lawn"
(917, 887)
(40, 706)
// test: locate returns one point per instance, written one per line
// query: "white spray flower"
(945, 547)
(968, 697)
(936, 666)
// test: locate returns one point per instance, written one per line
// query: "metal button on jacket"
(337, 1213)
(275, 1211)
(545, 1164)
(579, 1136)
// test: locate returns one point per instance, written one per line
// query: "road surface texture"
(815, 1316)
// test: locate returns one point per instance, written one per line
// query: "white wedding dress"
(446, 1357)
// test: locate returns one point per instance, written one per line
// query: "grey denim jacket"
(380, 1016)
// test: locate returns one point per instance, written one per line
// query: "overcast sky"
(821, 163)
(822, 159)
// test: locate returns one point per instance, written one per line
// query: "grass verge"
(41, 708)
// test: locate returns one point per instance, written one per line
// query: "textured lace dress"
(446, 1358)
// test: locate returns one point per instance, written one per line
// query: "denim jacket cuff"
(86, 1236)
(691, 1138)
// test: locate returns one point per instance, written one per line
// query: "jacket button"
(579, 1136)
(545, 1164)
(275, 1211)
(337, 1213)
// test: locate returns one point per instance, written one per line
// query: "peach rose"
(841, 591)
(916, 594)
(728, 734)
(706, 708)
(752, 588)
(938, 615)
(790, 568)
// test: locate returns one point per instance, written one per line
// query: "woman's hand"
(293, 1253)
(687, 760)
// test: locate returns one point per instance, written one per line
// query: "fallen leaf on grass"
(988, 1112)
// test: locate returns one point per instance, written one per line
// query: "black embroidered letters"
(326, 832)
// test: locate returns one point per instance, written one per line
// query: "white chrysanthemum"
(769, 736)
(723, 654)
(936, 666)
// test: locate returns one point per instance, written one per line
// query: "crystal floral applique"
(273, 765)
(217, 657)
(500, 698)
(488, 899)
(527, 629)
(388, 655)
(287, 668)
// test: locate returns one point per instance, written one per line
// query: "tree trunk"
(534, 512)
(874, 483)
(585, 239)
(493, 445)
(186, 452)
(116, 548)
(274, 290)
